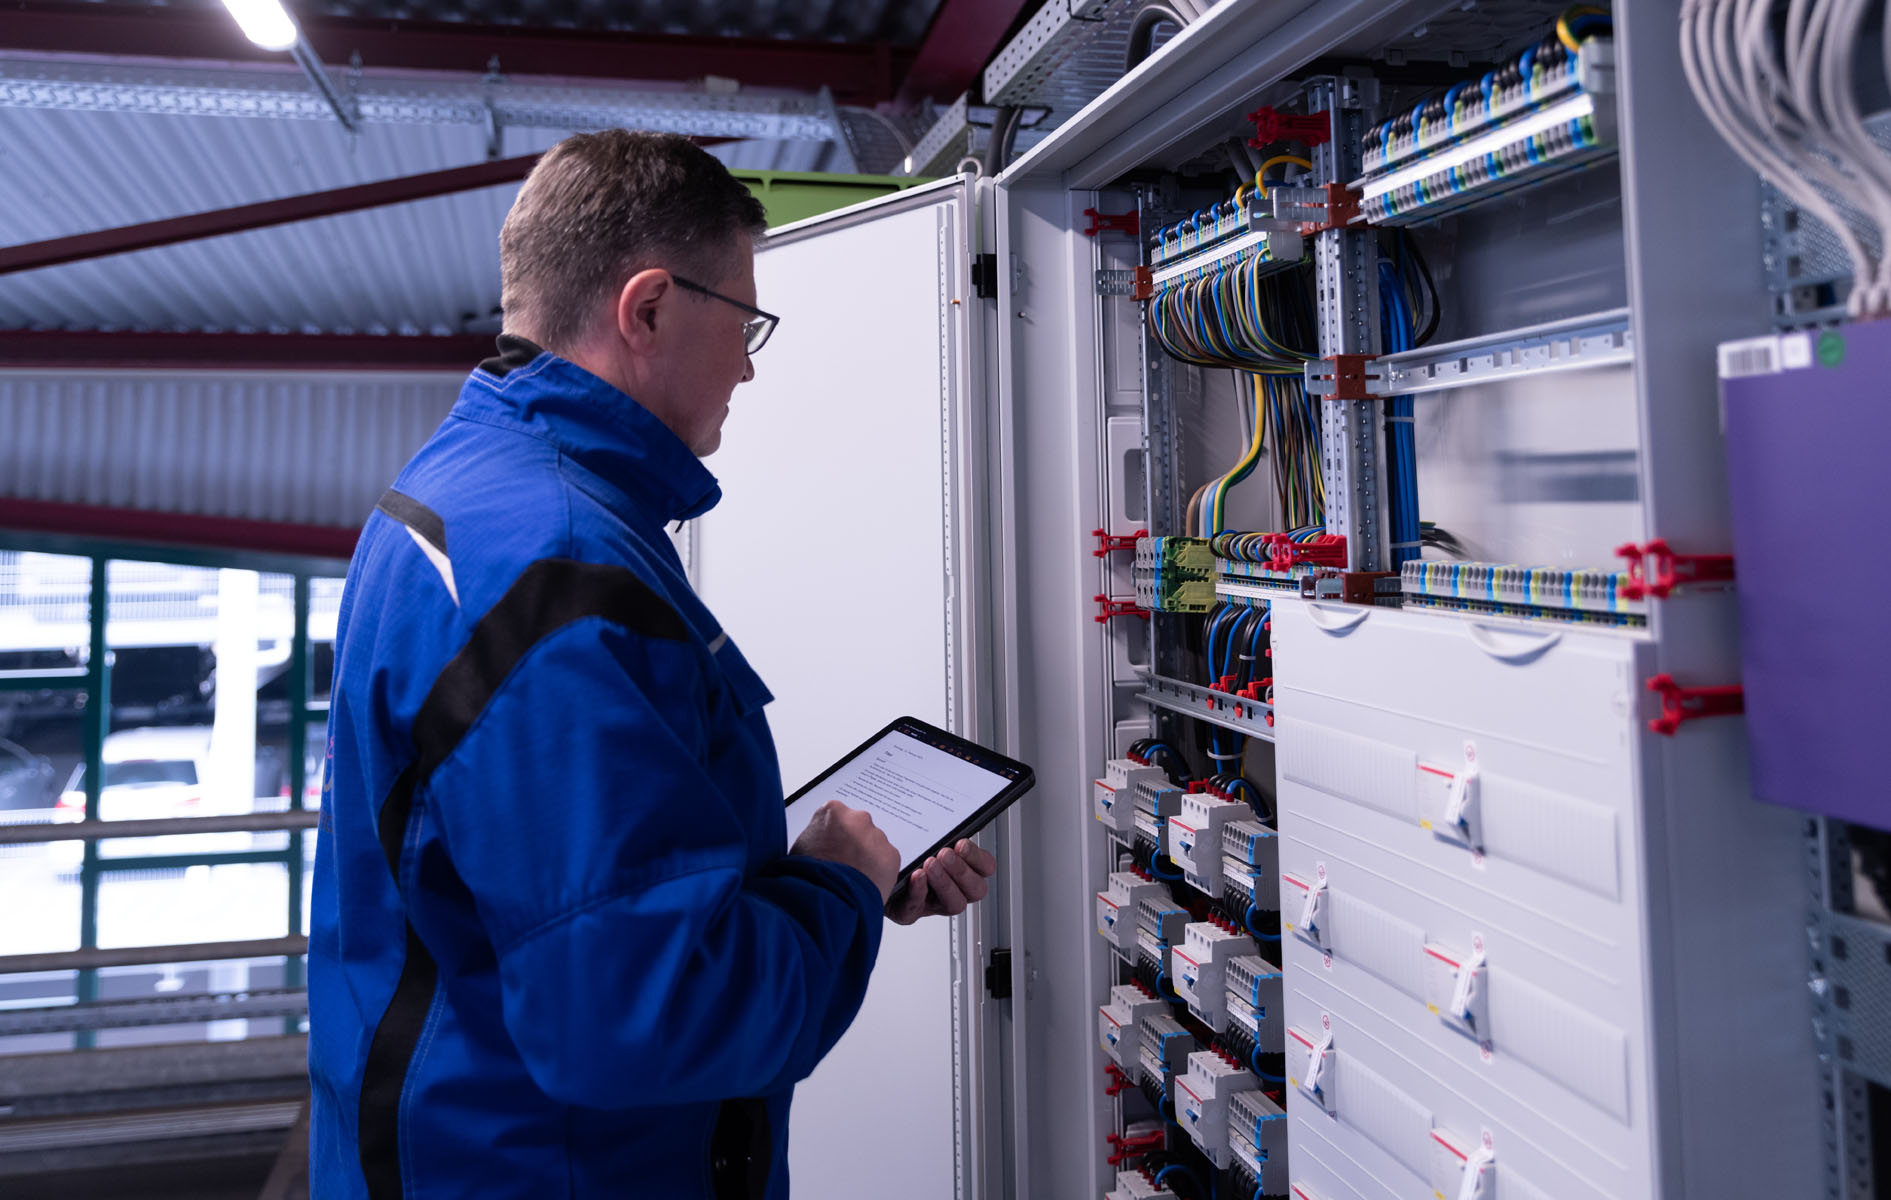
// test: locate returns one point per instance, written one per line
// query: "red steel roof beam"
(963, 37)
(65, 350)
(31, 256)
(858, 73)
(178, 529)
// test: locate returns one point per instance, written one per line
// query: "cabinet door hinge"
(998, 974)
(985, 276)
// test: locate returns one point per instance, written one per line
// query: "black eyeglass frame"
(755, 333)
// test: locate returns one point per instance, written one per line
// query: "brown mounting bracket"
(1344, 377)
(1342, 209)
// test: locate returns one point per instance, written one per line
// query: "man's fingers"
(912, 904)
(946, 894)
(982, 860)
(970, 883)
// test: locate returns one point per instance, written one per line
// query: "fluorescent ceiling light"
(264, 22)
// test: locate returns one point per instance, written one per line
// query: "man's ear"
(642, 309)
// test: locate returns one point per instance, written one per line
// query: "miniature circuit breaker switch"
(1199, 968)
(1202, 1101)
(1120, 1022)
(1117, 907)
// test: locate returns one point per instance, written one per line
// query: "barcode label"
(1753, 356)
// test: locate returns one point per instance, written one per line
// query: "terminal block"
(1166, 1046)
(1174, 574)
(1250, 861)
(1549, 110)
(1257, 1135)
(1120, 1022)
(1117, 908)
(1159, 924)
(1545, 593)
(1203, 1096)
(1254, 999)
(1198, 968)
(1195, 837)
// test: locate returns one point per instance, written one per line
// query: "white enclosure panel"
(1557, 1064)
(309, 448)
(826, 562)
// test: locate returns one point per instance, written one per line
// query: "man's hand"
(946, 884)
(848, 835)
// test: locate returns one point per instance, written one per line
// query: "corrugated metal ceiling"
(424, 267)
(901, 22)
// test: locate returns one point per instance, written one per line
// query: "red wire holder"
(1109, 543)
(1271, 126)
(1654, 569)
(1680, 705)
(1108, 609)
(1123, 222)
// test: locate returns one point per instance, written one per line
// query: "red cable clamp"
(1119, 1082)
(1123, 222)
(1680, 705)
(1108, 608)
(1109, 542)
(1271, 125)
(1670, 570)
(1325, 550)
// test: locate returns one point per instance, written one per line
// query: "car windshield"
(149, 771)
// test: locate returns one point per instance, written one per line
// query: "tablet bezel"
(973, 752)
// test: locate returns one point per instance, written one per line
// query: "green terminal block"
(1174, 574)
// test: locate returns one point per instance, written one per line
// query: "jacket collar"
(597, 426)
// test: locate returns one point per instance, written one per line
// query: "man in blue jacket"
(559, 945)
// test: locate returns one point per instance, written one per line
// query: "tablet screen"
(918, 784)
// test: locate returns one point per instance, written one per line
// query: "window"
(191, 687)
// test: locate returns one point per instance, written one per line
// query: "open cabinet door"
(845, 560)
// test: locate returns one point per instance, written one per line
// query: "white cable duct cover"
(285, 94)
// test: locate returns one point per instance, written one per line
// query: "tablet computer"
(924, 787)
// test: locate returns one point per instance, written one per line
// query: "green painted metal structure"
(791, 196)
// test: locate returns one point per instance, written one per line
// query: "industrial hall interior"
(1251, 542)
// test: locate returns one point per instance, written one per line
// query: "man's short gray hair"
(598, 208)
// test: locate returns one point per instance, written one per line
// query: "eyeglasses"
(755, 332)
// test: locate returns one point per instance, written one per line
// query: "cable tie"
(1402, 420)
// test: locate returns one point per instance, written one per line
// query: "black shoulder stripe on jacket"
(548, 595)
(416, 516)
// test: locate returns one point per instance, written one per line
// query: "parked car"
(26, 779)
(155, 773)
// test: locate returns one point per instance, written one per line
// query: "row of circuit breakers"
(1211, 964)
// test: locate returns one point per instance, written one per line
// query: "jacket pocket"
(746, 690)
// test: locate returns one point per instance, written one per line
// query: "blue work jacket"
(557, 944)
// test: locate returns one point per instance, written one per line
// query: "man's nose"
(748, 371)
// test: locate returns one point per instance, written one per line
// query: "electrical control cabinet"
(1397, 858)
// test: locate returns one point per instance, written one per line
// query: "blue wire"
(1159, 873)
(1248, 920)
(1164, 1174)
(1254, 1064)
